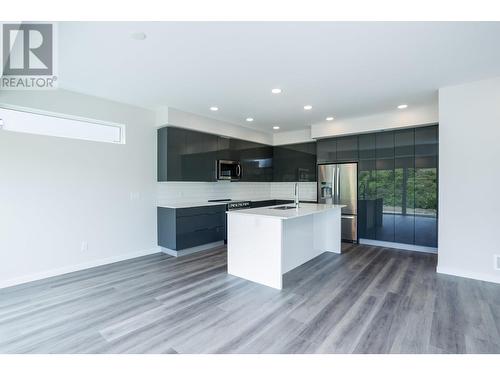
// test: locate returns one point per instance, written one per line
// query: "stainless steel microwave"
(228, 170)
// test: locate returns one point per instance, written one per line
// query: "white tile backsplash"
(180, 192)
(285, 190)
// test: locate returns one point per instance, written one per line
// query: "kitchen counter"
(206, 203)
(191, 204)
(303, 210)
(265, 243)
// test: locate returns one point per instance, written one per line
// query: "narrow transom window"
(56, 125)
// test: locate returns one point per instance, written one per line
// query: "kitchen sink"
(282, 208)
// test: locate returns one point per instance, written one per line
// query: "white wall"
(396, 119)
(469, 179)
(293, 136)
(175, 117)
(57, 192)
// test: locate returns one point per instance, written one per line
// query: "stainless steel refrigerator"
(338, 184)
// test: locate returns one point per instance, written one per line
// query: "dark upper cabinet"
(199, 157)
(224, 150)
(295, 163)
(326, 150)
(171, 142)
(186, 155)
(347, 148)
(256, 160)
(366, 146)
(332, 150)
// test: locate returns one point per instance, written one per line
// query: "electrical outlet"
(84, 246)
(134, 196)
(497, 262)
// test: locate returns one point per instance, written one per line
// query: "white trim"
(191, 250)
(468, 274)
(78, 267)
(400, 246)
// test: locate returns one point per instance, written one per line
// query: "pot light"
(276, 91)
(138, 36)
(330, 118)
(249, 119)
(308, 107)
(402, 106)
(276, 127)
(214, 108)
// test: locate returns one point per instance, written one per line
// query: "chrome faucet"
(296, 193)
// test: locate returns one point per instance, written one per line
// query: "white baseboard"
(399, 246)
(467, 274)
(191, 250)
(77, 267)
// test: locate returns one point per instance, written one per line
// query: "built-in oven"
(228, 170)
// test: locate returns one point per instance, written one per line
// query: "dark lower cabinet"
(182, 228)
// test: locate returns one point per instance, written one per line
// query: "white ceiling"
(341, 69)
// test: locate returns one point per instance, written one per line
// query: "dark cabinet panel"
(189, 227)
(366, 146)
(384, 152)
(199, 156)
(369, 207)
(347, 148)
(256, 160)
(426, 185)
(404, 199)
(171, 143)
(404, 195)
(295, 163)
(224, 149)
(186, 155)
(397, 182)
(326, 150)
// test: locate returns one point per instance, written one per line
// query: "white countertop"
(303, 210)
(191, 204)
(205, 203)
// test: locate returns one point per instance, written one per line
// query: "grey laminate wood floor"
(367, 300)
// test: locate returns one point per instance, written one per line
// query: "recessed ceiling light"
(249, 119)
(214, 108)
(138, 36)
(402, 106)
(276, 91)
(308, 107)
(276, 127)
(330, 118)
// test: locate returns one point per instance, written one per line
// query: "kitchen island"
(265, 243)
